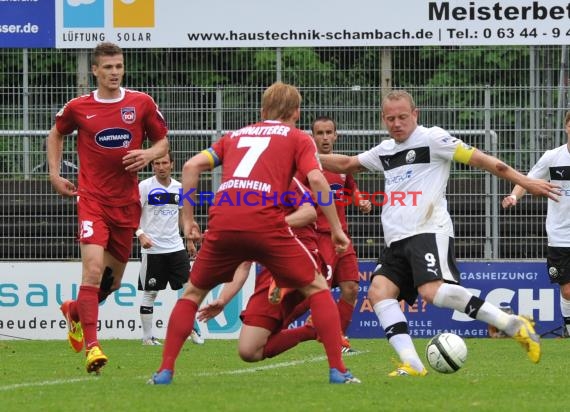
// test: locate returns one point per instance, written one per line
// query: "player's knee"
(373, 296)
(349, 291)
(375, 292)
(428, 291)
(92, 275)
(250, 354)
(193, 293)
(247, 357)
(149, 296)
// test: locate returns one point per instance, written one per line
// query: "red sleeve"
(155, 126)
(64, 120)
(302, 194)
(299, 188)
(218, 149)
(302, 178)
(306, 157)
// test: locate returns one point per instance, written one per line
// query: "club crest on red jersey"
(128, 115)
(336, 188)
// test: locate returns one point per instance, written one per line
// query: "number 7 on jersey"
(256, 145)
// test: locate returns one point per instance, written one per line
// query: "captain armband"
(212, 156)
(463, 153)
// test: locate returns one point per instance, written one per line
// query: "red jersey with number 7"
(258, 164)
(107, 130)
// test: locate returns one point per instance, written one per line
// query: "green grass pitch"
(48, 376)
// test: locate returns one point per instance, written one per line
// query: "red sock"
(287, 339)
(327, 326)
(345, 310)
(88, 309)
(180, 326)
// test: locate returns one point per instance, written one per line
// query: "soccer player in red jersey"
(247, 222)
(111, 124)
(264, 332)
(344, 266)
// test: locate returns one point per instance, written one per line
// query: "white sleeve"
(541, 170)
(371, 159)
(442, 144)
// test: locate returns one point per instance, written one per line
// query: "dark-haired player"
(111, 122)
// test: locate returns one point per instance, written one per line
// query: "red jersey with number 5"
(259, 162)
(107, 130)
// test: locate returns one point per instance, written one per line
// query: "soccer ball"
(446, 352)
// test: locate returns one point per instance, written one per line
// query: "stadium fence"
(508, 101)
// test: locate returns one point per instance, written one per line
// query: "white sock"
(146, 318)
(501, 320)
(389, 313)
(457, 297)
(452, 297)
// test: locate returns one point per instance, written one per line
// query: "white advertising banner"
(31, 293)
(272, 23)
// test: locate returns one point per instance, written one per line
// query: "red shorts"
(344, 266)
(290, 263)
(108, 226)
(261, 313)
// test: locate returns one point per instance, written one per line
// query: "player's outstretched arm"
(339, 163)
(495, 166)
(229, 290)
(54, 145)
